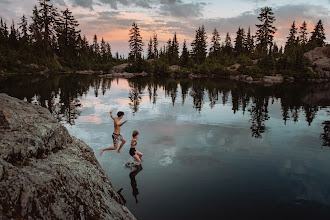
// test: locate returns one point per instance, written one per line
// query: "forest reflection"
(61, 95)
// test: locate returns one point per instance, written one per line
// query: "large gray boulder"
(47, 174)
(320, 58)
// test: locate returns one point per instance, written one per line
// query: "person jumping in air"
(116, 137)
(137, 155)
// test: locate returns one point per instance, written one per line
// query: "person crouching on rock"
(116, 137)
(137, 155)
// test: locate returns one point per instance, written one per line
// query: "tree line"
(261, 47)
(53, 41)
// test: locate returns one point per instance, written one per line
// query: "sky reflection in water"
(210, 148)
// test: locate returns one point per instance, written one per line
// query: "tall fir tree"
(266, 30)
(150, 50)
(228, 47)
(199, 46)
(249, 42)
(95, 46)
(239, 41)
(67, 34)
(103, 50)
(184, 59)
(23, 25)
(155, 46)
(303, 34)
(135, 42)
(291, 42)
(318, 35)
(215, 43)
(47, 18)
(175, 50)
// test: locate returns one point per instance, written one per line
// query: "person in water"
(116, 137)
(137, 155)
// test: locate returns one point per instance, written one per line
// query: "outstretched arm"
(121, 124)
(111, 115)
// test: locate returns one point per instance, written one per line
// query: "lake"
(212, 148)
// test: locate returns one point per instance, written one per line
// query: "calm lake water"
(211, 148)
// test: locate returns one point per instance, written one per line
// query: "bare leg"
(137, 158)
(139, 154)
(123, 141)
(109, 148)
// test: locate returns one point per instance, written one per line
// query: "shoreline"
(266, 80)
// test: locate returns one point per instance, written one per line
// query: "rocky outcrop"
(86, 72)
(47, 174)
(124, 75)
(234, 67)
(242, 78)
(272, 79)
(119, 68)
(320, 58)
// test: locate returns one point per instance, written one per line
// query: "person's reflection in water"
(132, 176)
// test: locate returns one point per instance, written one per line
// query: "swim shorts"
(116, 138)
(132, 151)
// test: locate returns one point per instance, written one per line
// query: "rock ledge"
(47, 174)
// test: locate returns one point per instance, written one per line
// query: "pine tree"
(266, 30)
(135, 42)
(3, 32)
(292, 36)
(67, 34)
(318, 35)
(35, 27)
(199, 46)
(228, 47)
(249, 42)
(155, 46)
(24, 30)
(103, 50)
(303, 34)
(215, 43)
(175, 50)
(108, 52)
(47, 17)
(184, 59)
(95, 46)
(13, 41)
(239, 41)
(150, 49)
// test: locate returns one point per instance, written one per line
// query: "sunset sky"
(111, 19)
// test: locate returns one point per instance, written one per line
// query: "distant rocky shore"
(47, 174)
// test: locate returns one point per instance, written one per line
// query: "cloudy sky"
(111, 19)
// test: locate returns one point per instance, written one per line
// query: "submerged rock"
(47, 174)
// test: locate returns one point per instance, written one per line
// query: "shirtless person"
(116, 137)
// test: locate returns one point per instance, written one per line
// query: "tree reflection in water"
(326, 135)
(61, 95)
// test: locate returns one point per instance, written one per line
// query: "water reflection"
(326, 135)
(61, 95)
(132, 175)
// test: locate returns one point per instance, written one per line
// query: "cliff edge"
(47, 174)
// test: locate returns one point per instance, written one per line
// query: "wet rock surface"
(47, 174)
